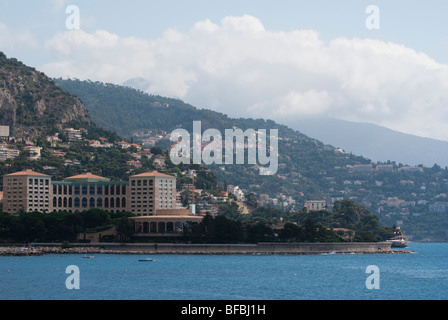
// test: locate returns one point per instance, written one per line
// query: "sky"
(382, 62)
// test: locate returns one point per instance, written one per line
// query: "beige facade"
(8, 153)
(88, 191)
(165, 223)
(27, 191)
(316, 205)
(151, 191)
(150, 196)
(143, 195)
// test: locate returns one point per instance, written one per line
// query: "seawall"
(169, 248)
(260, 248)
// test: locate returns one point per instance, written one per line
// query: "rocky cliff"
(33, 105)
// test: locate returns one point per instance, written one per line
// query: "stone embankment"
(198, 249)
(40, 251)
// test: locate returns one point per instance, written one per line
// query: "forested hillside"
(308, 169)
(32, 105)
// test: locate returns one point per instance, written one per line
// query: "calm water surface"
(422, 276)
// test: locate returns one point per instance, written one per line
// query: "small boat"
(146, 260)
(88, 257)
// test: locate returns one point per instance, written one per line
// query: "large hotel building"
(143, 195)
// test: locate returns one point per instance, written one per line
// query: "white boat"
(146, 260)
(88, 257)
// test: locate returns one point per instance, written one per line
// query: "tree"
(310, 230)
(95, 218)
(125, 228)
(227, 230)
(258, 232)
(291, 232)
(251, 200)
(156, 151)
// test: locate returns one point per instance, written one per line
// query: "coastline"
(202, 249)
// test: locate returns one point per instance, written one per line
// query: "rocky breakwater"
(40, 251)
(190, 249)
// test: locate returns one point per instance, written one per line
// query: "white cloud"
(240, 68)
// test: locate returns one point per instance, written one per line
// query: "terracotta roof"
(86, 176)
(152, 174)
(26, 173)
(173, 212)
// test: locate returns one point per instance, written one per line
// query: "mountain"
(130, 113)
(32, 105)
(374, 142)
(308, 169)
(412, 197)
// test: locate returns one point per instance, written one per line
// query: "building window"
(84, 202)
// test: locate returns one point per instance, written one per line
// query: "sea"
(422, 275)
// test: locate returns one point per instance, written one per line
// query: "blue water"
(419, 276)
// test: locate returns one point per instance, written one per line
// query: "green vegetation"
(299, 227)
(357, 222)
(225, 230)
(58, 226)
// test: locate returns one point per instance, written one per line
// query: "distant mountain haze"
(374, 142)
